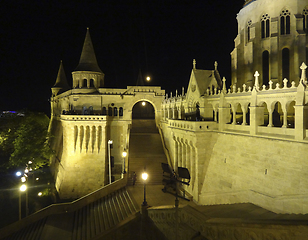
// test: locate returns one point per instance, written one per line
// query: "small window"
(109, 111)
(84, 83)
(305, 20)
(285, 22)
(115, 111)
(248, 30)
(104, 111)
(120, 111)
(265, 26)
(91, 83)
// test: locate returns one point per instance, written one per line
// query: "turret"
(88, 74)
(61, 84)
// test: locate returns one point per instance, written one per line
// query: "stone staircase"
(145, 150)
(88, 222)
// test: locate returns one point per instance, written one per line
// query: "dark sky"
(159, 37)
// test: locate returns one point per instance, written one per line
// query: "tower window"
(285, 63)
(265, 26)
(91, 83)
(265, 67)
(285, 22)
(115, 111)
(248, 30)
(84, 83)
(305, 20)
(121, 112)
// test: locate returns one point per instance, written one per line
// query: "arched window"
(285, 22)
(285, 63)
(84, 83)
(109, 111)
(115, 111)
(120, 111)
(305, 20)
(84, 111)
(91, 110)
(104, 111)
(265, 26)
(91, 83)
(249, 23)
(265, 67)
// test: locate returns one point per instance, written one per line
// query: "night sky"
(159, 37)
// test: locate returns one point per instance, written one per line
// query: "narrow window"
(265, 67)
(85, 83)
(104, 111)
(285, 63)
(285, 22)
(305, 20)
(120, 111)
(109, 111)
(91, 83)
(265, 26)
(115, 111)
(248, 30)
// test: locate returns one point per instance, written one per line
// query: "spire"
(61, 84)
(88, 60)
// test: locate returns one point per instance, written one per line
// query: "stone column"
(244, 115)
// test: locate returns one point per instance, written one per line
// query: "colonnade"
(89, 138)
(185, 156)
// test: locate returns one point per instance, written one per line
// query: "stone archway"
(143, 110)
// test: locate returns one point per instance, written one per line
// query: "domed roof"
(248, 1)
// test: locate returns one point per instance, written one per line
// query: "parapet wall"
(233, 167)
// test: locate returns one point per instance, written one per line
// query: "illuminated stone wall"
(250, 44)
(82, 121)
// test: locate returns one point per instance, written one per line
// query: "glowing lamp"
(144, 176)
(23, 187)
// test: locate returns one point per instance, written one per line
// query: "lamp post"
(124, 154)
(144, 177)
(109, 146)
(22, 188)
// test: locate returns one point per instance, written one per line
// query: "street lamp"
(144, 176)
(22, 188)
(148, 78)
(124, 154)
(109, 146)
(143, 103)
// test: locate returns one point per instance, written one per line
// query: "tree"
(31, 142)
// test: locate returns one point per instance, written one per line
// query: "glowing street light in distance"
(23, 187)
(40, 194)
(124, 154)
(23, 179)
(143, 103)
(18, 174)
(144, 176)
(148, 78)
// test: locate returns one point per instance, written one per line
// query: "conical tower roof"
(88, 60)
(61, 81)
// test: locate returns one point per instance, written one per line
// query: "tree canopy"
(26, 139)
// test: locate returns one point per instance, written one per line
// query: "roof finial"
(215, 65)
(256, 75)
(194, 64)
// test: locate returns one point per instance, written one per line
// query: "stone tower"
(272, 39)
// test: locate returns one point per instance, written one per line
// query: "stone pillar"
(183, 154)
(244, 115)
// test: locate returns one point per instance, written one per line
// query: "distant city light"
(40, 194)
(23, 179)
(37, 179)
(18, 174)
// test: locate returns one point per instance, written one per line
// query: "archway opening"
(143, 110)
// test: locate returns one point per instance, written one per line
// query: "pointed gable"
(88, 60)
(201, 80)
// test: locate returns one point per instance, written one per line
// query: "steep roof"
(61, 81)
(205, 78)
(88, 60)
